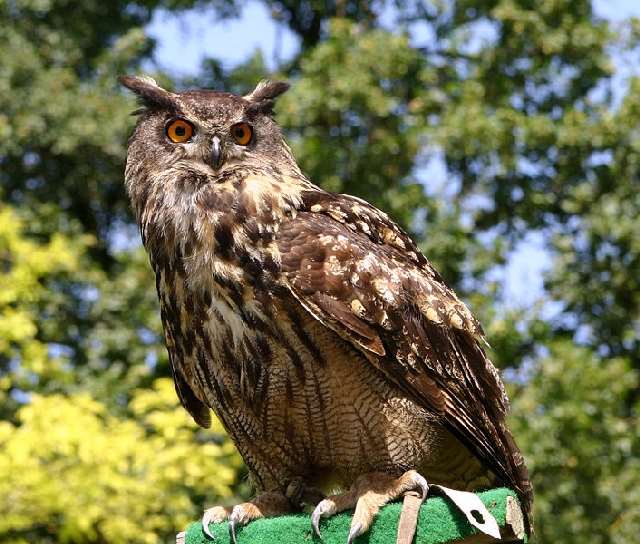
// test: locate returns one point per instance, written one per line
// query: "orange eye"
(242, 133)
(179, 131)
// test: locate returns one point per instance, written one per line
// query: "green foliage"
(360, 112)
(516, 101)
(583, 442)
(47, 53)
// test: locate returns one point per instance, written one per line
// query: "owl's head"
(183, 139)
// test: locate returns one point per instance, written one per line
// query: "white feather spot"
(383, 288)
(456, 321)
(368, 262)
(384, 320)
(431, 314)
(364, 227)
(357, 308)
(326, 239)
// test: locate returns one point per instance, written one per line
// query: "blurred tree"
(518, 104)
(583, 444)
(29, 271)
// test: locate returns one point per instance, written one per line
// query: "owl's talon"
(232, 531)
(205, 526)
(421, 484)
(324, 509)
(356, 531)
(241, 515)
(216, 514)
(264, 505)
(368, 494)
(315, 523)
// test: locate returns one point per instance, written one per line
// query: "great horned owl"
(331, 350)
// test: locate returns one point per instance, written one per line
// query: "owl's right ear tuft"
(267, 90)
(263, 97)
(151, 94)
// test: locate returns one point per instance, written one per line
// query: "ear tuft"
(267, 90)
(149, 92)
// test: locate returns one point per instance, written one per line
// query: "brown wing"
(198, 409)
(357, 272)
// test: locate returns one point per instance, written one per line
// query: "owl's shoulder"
(365, 220)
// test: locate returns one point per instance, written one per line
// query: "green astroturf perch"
(439, 522)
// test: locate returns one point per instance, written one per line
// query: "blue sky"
(617, 10)
(183, 41)
(186, 39)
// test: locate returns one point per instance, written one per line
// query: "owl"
(340, 363)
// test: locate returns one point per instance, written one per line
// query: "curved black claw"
(421, 483)
(206, 520)
(232, 531)
(323, 509)
(355, 531)
(315, 522)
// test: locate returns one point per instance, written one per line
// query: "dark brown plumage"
(323, 339)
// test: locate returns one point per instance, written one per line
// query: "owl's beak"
(216, 152)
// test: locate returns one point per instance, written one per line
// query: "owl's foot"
(263, 506)
(367, 495)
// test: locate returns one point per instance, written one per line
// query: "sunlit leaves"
(582, 443)
(85, 475)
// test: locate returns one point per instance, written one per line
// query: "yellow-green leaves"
(86, 475)
(27, 266)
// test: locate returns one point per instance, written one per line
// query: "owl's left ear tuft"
(151, 94)
(265, 93)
